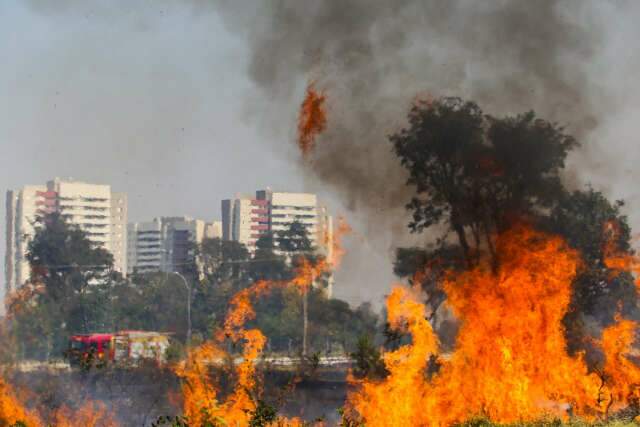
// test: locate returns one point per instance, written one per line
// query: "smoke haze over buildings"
(181, 104)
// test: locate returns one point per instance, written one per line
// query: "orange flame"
(510, 361)
(614, 258)
(312, 120)
(621, 375)
(12, 411)
(400, 399)
(90, 414)
(201, 403)
(337, 249)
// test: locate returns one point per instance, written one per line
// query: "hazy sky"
(183, 103)
(151, 99)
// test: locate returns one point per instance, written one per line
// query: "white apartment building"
(145, 247)
(23, 208)
(91, 207)
(87, 206)
(167, 243)
(245, 219)
(287, 208)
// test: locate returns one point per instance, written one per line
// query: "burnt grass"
(140, 396)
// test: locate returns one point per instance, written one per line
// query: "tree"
(428, 267)
(68, 289)
(295, 240)
(227, 269)
(440, 149)
(475, 174)
(266, 263)
(368, 360)
(159, 304)
(582, 218)
(223, 260)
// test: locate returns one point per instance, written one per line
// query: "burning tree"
(510, 361)
(475, 176)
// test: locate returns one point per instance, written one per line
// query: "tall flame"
(622, 375)
(337, 249)
(312, 120)
(510, 361)
(200, 393)
(616, 259)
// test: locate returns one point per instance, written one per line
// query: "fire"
(510, 362)
(400, 399)
(200, 400)
(12, 411)
(337, 249)
(614, 258)
(621, 375)
(312, 120)
(200, 393)
(88, 415)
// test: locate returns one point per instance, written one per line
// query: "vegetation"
(68, 292)
(368, 360)
(75, 290)
(483, 422)
(476, 175)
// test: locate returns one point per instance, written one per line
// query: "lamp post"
(186, 285)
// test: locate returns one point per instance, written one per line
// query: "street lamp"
(186, 285)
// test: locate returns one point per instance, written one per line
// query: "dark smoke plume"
(374, 56)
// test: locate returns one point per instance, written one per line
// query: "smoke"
(374, 57)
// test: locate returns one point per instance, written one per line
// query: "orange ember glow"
(201, 401)
(510, 361)
(312, 120)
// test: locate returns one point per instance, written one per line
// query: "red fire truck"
(124, 347)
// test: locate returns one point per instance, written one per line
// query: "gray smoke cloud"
(374, 57)
(564, 60)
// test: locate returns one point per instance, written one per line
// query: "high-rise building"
(245, 219)
(167, 243)
(119, 214)
(91, 207)
(23, 208)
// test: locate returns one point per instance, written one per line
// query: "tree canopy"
(476, 175)
(73, 289)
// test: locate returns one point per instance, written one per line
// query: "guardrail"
(276, 361)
